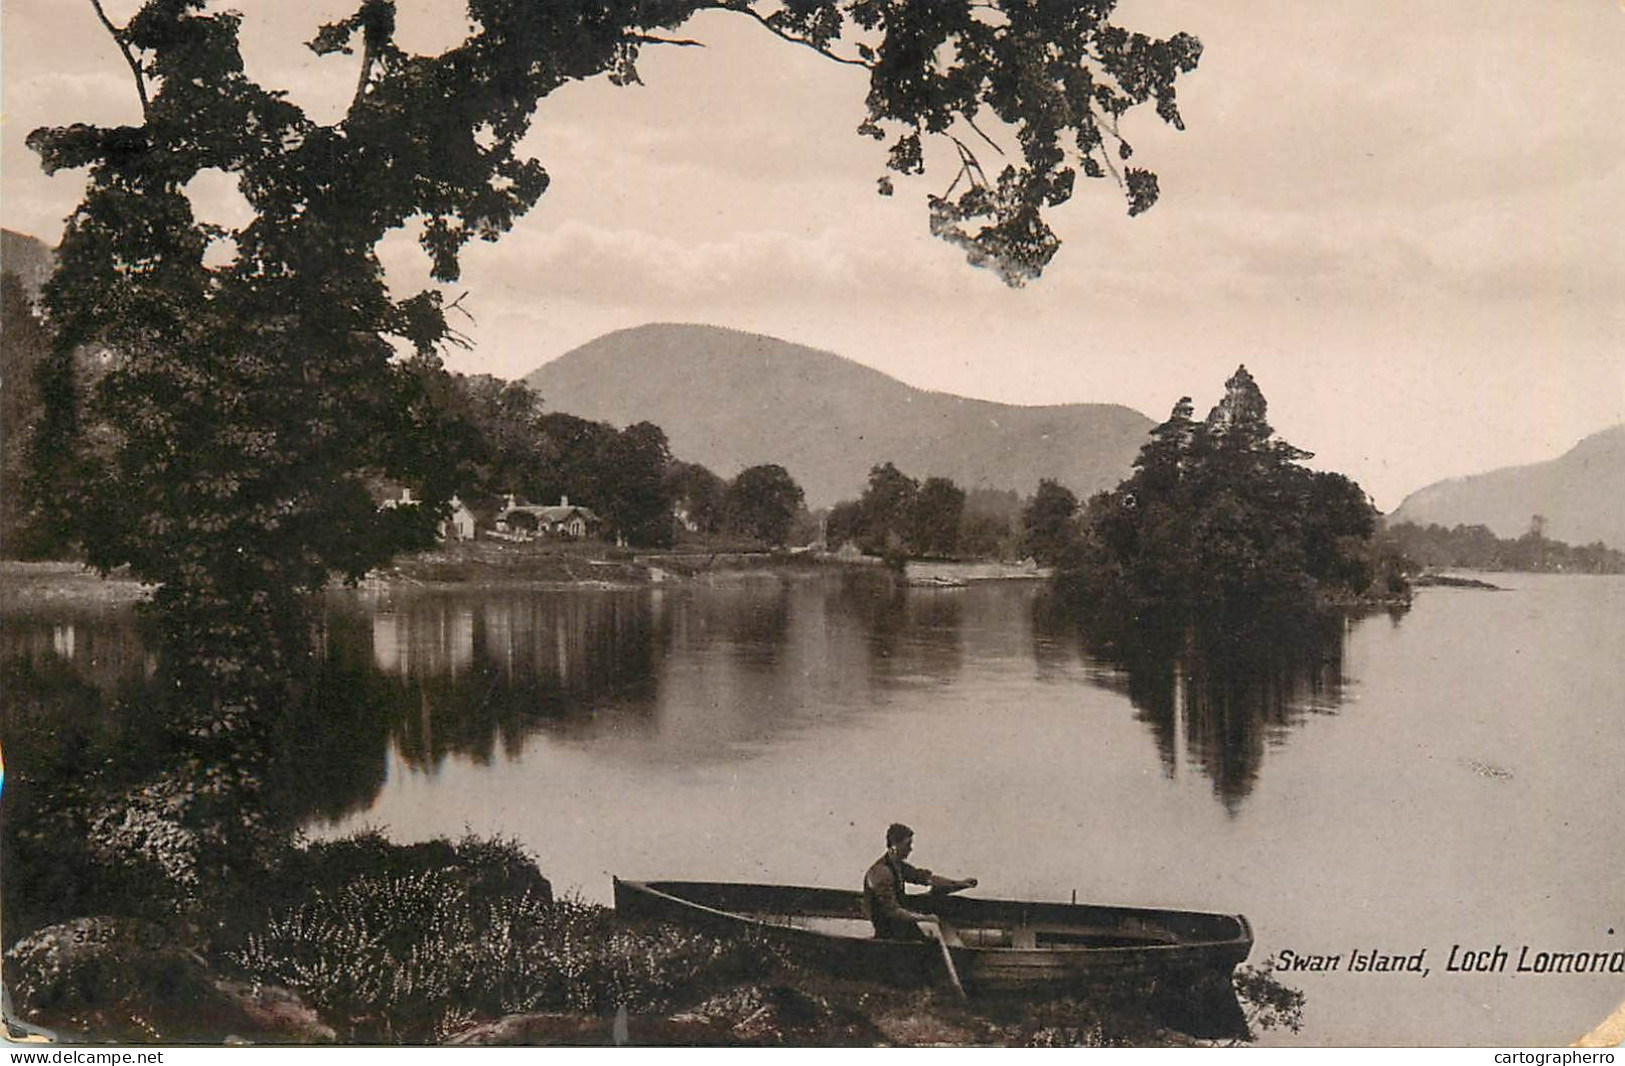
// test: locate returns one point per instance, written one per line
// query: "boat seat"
(978, 937)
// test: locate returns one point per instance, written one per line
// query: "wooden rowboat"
(997, 946)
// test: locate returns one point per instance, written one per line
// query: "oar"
(948, 960)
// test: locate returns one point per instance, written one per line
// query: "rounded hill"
(730, 399)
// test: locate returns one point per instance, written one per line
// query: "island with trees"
(1221, 520)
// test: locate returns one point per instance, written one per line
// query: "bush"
(412, 955)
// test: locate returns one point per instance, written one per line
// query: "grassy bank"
(364, 941)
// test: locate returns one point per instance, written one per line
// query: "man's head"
(899, 839)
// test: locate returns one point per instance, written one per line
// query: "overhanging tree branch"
(971, 122)
(681, 42)
(129, 57)
(767, 23)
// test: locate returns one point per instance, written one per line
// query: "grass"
(422, 943)
(414, 949)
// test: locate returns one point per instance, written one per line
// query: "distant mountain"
(730, 399)
(1581, 494)
(27, 257)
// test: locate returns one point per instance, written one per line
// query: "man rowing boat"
(883, 894)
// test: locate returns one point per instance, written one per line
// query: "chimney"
(564, 501)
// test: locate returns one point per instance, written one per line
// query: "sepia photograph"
(812, 523)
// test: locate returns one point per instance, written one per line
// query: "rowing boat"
(996, 945)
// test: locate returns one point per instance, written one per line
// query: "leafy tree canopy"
(934, 523)
(227, 452)
(762, 501)
(1220, 514)
(1478, 548)
(1048, 522)
(632, 494)
(699, 493)
(27, 345)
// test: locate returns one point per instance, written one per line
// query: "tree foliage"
(251, 400)
(986, 524)
(260, 378)
(27, 345)
(897, 516)
(1477, 547)
(499, 425)
(883, 517)
(1220, 514)
(699, 493)
(934, 520)
(632, 495)
(762, 502)
(1048, 522)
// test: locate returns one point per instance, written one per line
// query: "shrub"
(414, 955)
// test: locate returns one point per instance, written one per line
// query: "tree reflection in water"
(1221, 693)
(436, 676)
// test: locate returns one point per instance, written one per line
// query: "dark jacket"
(883, 897)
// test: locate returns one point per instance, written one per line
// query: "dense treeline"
(499, 441)
(1477, 548)
(1219, 516)
(489, 438)
(503, 443)
(900, 517)
(26, 344)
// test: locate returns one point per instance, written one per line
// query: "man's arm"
(918, 875)
(887, 897)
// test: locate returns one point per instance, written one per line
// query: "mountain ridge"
(1580, 493)
(29, 258)
(729, 398)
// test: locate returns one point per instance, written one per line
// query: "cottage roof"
(554, 513)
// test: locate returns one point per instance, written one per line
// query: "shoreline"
(56, 584)
(28, 586)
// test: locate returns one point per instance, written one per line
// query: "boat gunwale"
(1104, 952)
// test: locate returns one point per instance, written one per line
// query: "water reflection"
(438, 675)
(1221, 696)
(103, 647)
(699, 675)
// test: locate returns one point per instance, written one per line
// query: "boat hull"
(997, 945)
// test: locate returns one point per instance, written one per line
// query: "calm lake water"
(1451, 775)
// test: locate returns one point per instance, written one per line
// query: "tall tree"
(886, 508)
(633, 496)
(699, 493)
(27, 344)
(1048, 522)
(575, 459)
(762, 502)
(934, 521)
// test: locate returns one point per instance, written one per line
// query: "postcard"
(813, 524)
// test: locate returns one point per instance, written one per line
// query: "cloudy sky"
(1406, 219)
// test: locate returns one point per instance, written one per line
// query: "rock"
(273, 1015)
(125, 981)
